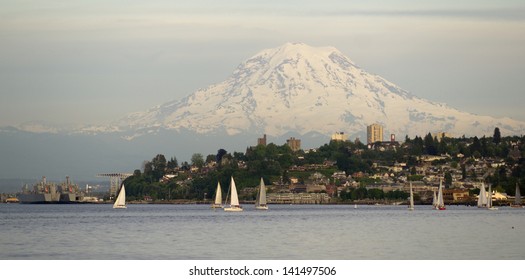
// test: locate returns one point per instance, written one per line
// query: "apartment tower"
(374, 133)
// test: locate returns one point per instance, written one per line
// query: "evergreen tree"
(497, 136)
(173, 163)
(448, 180)
(430, 145)
(158, 164)
(220, 154)
(475, 146)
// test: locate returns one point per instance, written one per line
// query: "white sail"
(434, 200)
(260, 201)
(218, 194)
(440, 200)
(482, 198)
(218, 197)
(120, 202)
(489, 200)
(234, 202)
(235, 197)
(411, 207)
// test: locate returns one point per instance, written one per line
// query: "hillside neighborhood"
(341, 171)
(344, 171)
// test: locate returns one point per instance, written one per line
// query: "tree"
(448, 180)
(220, 154)
(211, 158)
(497, 136)
(197, 160)
(147, 167)
(159, 165)
(185, 166)
(430, 145)
(476, 146)
(173, 163)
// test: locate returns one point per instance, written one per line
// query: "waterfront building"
(298, 198)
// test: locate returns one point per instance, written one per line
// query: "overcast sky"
(95, 61)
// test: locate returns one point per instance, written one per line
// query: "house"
(168, 177)
(456, 195)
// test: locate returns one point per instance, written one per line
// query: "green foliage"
(415, 177)
(173, 163)
(430, 145)
(448, 179)
(497, 136)
(197, 160)
(274, 162)
(363, 193)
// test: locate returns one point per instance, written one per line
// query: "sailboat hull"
(233, 209)
(119, 207)
(216, 206)
(234, 202)
(260, 207)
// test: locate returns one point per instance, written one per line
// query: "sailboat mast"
(227, 195)
(489, 200)
(517, 199)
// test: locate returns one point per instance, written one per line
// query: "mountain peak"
(296, 51)
(301, 89)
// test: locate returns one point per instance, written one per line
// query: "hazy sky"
(92, 62)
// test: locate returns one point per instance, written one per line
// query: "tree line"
(198, 179)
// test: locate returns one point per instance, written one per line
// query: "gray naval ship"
(44, 192)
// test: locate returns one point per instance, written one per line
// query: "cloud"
(486, 14)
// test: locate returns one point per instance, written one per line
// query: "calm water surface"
(57, 232)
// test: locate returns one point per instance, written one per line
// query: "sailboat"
(120, 202)
(517, 198)
(411, 206)
(440, 204)
(218, 197)
(260, 201)
(234, 201)
(434, 201)
(482, 198)
(489, 200)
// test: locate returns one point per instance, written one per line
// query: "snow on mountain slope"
(299, 88)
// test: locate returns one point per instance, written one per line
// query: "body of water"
(178, 232)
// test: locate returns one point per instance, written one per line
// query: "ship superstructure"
(46, 192)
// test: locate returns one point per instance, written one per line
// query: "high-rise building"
(374, 133)
(294, 144)
(261, 141)
(339, 136)
(441, 135)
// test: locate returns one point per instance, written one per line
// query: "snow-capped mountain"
(302, 89)
(294, 90)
